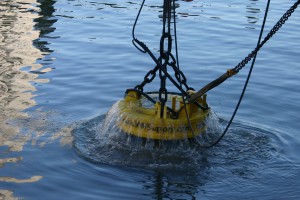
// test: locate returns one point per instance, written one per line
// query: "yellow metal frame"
(147, 123)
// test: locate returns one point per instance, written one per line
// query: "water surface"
(65, 63)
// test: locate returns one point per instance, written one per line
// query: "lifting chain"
(235, 70)
(166, 58)
(165, 54)
(245, 61)
(272, 32)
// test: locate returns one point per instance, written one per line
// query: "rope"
(162, 66)
(242, 94)
(166, 58)
(248, 58)
(272, 32)
(135, 41)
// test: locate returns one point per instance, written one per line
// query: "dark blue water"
(65, 63)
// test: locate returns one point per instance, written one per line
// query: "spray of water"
(109, 131)
(100, 140)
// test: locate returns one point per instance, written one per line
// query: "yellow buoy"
(146, 121)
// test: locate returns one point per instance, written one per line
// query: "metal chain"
(179, 75)
(165, 54)
(147, 78)
(166, 58)
(272, 32)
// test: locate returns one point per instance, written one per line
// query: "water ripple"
(243, 151)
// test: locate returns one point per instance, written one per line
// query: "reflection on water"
(252, 13)
(25, 54)
(22, 26)
(9, 160)
(16, 52)
(164, 185)
(44, 24)
(17, 33)
(7, 195)
(14, 180)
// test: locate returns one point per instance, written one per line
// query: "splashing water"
(99, 140)
(110, 131)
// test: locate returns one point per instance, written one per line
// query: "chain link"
(272, 32)
(179, 75)
(165, 60)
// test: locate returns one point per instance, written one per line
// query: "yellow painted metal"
(145, 122)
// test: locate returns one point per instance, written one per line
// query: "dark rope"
(243, 92)
(135, 41)
(166, 58)
(248, 58)
(272, 32)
